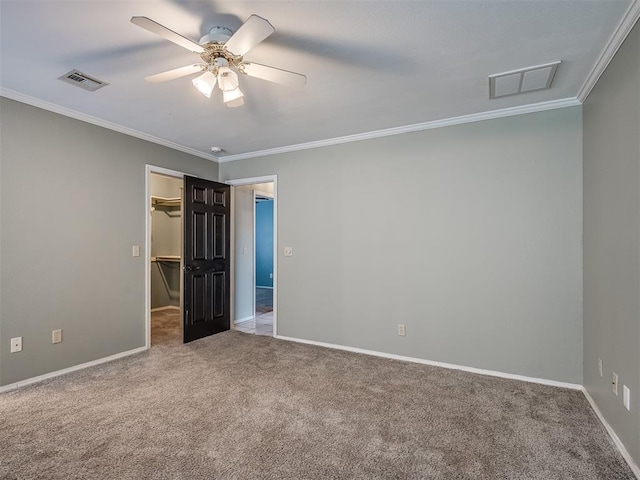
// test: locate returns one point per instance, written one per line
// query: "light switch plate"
(614, 382)
(136, 250)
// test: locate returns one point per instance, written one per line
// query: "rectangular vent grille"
(79, 79)
(524, 80)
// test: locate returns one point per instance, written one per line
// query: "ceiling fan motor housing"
(216, 35)
(215, 54)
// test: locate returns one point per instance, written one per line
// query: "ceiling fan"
(222, 53)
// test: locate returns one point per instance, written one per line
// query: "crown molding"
(417, 127)
(626, 24)
(68, 112)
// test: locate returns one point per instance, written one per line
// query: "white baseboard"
(492, 373)
(245, 319)
(633, 465)
(168, 307)
(57, 373)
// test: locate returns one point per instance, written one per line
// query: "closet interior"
(166, 251)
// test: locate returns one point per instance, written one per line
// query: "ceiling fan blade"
(164, 32)
(272, 74)
(250, 33)
(175, 73)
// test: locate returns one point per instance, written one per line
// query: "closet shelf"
(166, 258)
(165, 202)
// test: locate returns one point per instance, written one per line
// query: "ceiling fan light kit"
(222, 51)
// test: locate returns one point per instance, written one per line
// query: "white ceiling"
(371, 65)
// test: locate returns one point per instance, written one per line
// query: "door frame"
(250, 181)
(149, 169)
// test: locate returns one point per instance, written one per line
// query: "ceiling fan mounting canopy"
(222, 51)
(217, 34)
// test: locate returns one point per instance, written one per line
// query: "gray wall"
(470, 235)
(72, 199)
(166, 235)
(612, 240)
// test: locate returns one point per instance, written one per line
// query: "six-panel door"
(206, 258)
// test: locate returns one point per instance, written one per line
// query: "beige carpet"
(166, 327)
(239, 406)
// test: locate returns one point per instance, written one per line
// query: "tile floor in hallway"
(261, 325)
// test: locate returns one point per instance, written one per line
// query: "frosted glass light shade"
(231, 95)
(233, 98)
(227, 79)
(205, 83)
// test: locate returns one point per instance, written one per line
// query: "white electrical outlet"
(401, 330)
(288, 251)
(614, 383)
(244, 250)
(271, 275)
(626, 397)
(16, 344)
(136, 251)
(56, 336)
(600, 366)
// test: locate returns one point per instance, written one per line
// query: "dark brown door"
(206, 258)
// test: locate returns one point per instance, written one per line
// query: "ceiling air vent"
(522, 81)
(79, 79)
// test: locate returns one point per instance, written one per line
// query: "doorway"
(164, 237)
(263, 248)
(198, 252)
(255, 255)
